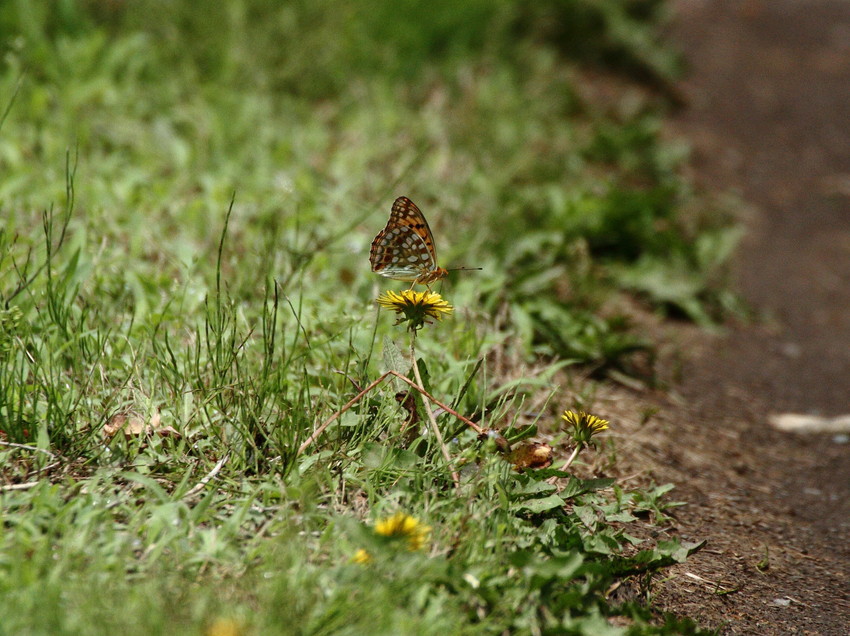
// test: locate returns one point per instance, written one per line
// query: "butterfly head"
(431, 276)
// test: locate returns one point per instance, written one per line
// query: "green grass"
(188, 199)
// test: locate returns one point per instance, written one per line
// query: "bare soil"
(768, 114)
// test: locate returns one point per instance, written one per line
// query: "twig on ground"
(23, 486)
(719, 589)
(28, 447)
(208, 477)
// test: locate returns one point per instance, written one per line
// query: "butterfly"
(404, 249)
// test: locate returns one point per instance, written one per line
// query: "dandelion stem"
(569, 461)
(431, 419)
(572, 457)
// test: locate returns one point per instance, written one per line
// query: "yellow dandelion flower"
(414, 307)
(584, 425)
(403, 526)
(361, 556)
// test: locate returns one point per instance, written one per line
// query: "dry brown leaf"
(133, 425)
(531, 455)
(408, 402)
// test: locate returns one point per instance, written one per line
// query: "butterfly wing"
(405, 212)
(404, 249)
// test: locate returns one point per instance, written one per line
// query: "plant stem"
(570, 460)
(431, 419)
(447, 409)
(573, 456)
(371, 386)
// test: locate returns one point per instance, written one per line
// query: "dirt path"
(769, 117)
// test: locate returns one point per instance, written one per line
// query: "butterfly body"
(404, 249)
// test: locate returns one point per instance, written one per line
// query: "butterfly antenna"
(465, 269)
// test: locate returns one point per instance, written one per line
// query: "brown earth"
(768, 114)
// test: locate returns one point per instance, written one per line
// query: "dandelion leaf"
(394, 359)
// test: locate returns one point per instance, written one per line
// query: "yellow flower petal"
(403, 526)
(415, 307)
(361, 556)
(224, 627)
(585, 425)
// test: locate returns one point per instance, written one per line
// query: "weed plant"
(187, 199)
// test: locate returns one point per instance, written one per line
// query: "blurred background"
(527, 133)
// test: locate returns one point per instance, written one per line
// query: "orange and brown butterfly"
(404, 249)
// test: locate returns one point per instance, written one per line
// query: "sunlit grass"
(188, 202)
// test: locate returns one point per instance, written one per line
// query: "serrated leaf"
(663, 489)
(541, 572)
(666, 552)
(546, 473)
(630, 539)
(578, 486)
(394, 359)
(587, 515)
(536, 506)
(624, 516)
(533, 487)
(679, 552)
(601, 544)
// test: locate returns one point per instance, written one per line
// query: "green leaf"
(515, 435)
(533, 487)
(559, 568)
(536, 506)
(601, 543)
(587, 515)
(624, 516)
(679, 552)
(394, 359)
(578, 486)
